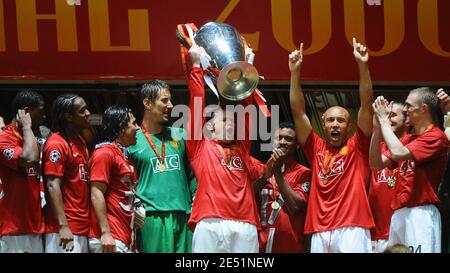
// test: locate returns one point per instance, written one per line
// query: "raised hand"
(278, 157)
(199, 56)
(249, 55)
(444, 100)
(381, 109)
(360, 52)
(23, 119)
(296, 59)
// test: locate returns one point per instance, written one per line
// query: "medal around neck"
(275, 205)
(161, 166)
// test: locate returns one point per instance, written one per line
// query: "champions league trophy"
(237, 78)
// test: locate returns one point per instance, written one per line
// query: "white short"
(378, 246)
(215, 235)
(342, 240)
(419, 228)
(79, 244)
(95, 246)
(31, 243)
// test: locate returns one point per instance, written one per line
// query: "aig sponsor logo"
(171, 163)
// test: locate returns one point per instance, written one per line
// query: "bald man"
(338, 215)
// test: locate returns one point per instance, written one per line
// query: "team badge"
(54, 156)
(175, 144)
(343, 150)
(306, 186)
(8, 153)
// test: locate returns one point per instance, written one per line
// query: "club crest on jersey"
(54, 156)
(306, 186)
(175, 144)
(8, 153)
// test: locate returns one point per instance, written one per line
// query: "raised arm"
(365, 112)
(298, 106)
(444, 101)
(196, 99)
(377, 160)
(30, 150)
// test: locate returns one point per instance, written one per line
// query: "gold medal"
(161, 167)
(391, 181)
(325, 180)
(275, 205)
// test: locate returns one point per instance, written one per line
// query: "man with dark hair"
(382, 181)
(113, 180)
(21, 219)
(166, 184)
(282, 198)
(338, 215)
(420, 159)
(65, 159)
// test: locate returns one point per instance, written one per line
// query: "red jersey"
(108, 165)
(418, 178)
(69, 162)
(381, 193)
(338, 188)
(288, 236)
(224, 188)
(20, 202)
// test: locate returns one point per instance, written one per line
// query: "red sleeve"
(247, 128)
(10, 152)
(256, 169)
(362, 141)
(196, 106)
(55, 157)
(302, 184)
(427, 147)
(101, 165)
(309, 146)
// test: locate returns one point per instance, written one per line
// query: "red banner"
(408, 40)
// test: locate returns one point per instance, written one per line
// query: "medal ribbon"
(225, 152)
(152, 144)
(276, 190)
